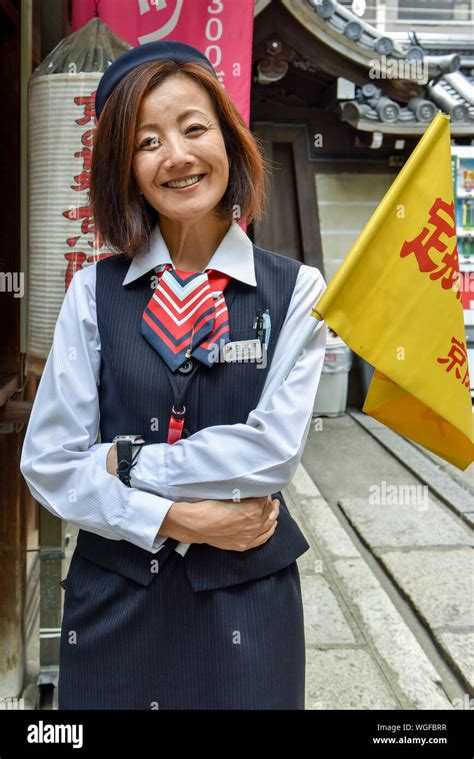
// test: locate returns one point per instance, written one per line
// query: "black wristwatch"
(128, 447)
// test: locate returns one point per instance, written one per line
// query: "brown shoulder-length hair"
(124, 218)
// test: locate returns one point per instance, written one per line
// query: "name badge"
(242, 350)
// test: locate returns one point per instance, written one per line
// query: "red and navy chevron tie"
(187, 315)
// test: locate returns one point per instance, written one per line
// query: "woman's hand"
(223, 524)
(230, 525)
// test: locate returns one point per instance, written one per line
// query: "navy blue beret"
(165, 50)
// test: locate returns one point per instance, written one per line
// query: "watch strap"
(124, 460)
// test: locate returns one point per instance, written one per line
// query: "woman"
(145, 626)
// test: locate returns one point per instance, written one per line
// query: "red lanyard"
(176, 424)
(178, 409)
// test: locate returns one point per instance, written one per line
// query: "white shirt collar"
(234, 256)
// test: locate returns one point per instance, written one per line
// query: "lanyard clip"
(176, 424)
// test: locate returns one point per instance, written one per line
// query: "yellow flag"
(396, 301)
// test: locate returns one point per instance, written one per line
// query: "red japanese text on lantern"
(82, 214)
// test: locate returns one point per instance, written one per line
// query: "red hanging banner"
(221, 29)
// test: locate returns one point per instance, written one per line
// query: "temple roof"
(397, 87)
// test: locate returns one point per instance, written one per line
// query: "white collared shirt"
(65, 468)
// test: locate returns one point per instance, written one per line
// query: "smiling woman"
(144, 626)
(184, 126)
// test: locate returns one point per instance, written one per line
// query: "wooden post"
(12, 546)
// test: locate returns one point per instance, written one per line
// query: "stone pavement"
(387, 587)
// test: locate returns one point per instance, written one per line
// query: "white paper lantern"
(62, 235)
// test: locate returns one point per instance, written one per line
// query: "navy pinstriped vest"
(134, 390)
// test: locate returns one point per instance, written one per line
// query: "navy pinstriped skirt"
(164, 646)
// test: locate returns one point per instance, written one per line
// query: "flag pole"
(296, 349)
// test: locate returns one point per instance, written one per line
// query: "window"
(433, 10)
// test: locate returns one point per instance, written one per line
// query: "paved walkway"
(387, 587)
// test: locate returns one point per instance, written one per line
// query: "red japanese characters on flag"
(435, 247)
(457, 359)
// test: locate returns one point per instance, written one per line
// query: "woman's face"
(178, 136)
